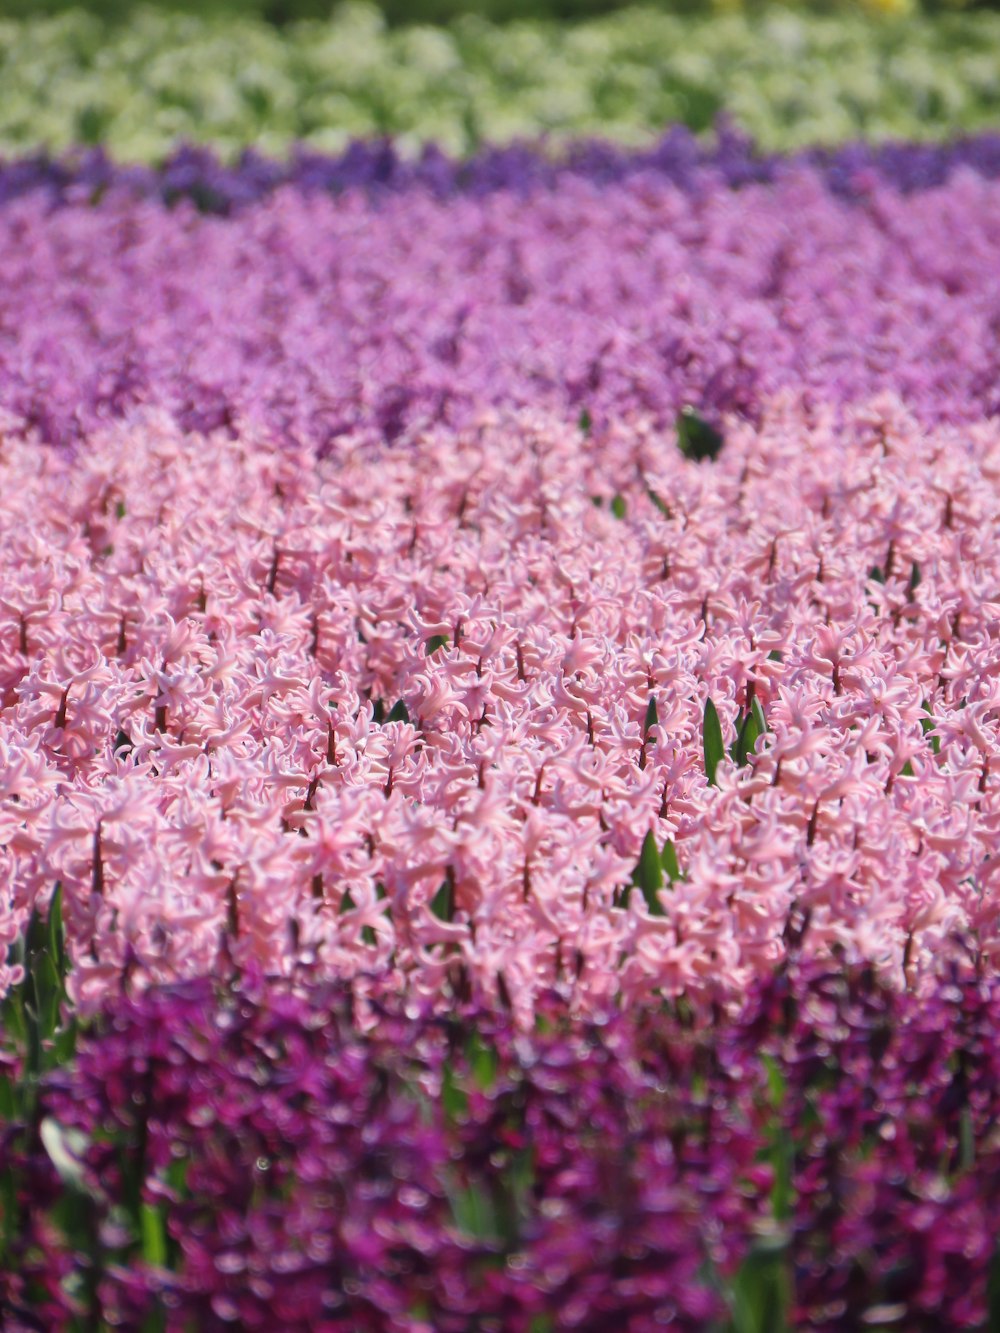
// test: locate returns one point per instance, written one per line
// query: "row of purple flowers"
(275, 1154)
(680, 157)
(319, 318)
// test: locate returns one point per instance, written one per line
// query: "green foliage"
(761, 1289)
(443, 902)
(651, 719)
(927, 726)
(781, 1151)
(154, 1235)
(993, 1293)
(760, 1294)
(668, 859)
(652, 869)
(488, 1205)
(36, 1028)
(474, 1213)
(31, 1013)
(648, 874)
(750, 726)
(696, 438)
(39, 1029)
(399, 712)
(711, 736)
(660, 503)
(788, 78)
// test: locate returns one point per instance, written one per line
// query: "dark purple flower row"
(731, 159)
(281, 1157)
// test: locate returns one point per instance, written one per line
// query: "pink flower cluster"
(386, 713)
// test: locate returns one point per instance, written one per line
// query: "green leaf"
(443, 902)
(776, 1082)
(585, 422)
(758, 713)
(9, 1214)
(32, 1035)
(711, 734)
(915, 579)
(64, 1043)
(48, 994)
(8, 1099)
(651, 717)
(453, 1100)
(177, 1174)
(474, 1213)
(668, 859)
(36, 937)
(618, 506)
(435, 642)
(927, 725)
(648, 874)
(762, 1288)
(482, 1061)
(876, 575)
(697, 438)
(781, 1149)
(399, 711)
(661, 504)
(57, 935)
(993, 1292)
(12, 1017)
(154, 1235)
(520, 1176)
(783, 1163)
(746, 737)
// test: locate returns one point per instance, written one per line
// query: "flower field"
(500, 732)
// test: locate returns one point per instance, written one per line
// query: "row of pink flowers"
(205, 641)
